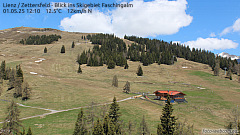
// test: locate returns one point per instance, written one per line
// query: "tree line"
(157, 47)
(108, 49)
(16, 81)
(40, 40)
(112, 51)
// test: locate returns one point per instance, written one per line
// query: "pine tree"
(114, 113)
(79, 69)
(18, 87)
(80, 126)
(229, 73)
(12, 78)
(73, 45)
(29, 131)
(3, 70)
(140, 71)
(126, 65)
(19, 72)
(45, 50)
(111, 64)
(115, 81)
(98, 128)
(143, 127)
(63, 49)
(26, 91)
(126, 88)
(217, 68)
(168, 122)
(12, 123)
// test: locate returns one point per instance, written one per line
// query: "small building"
(176, 96)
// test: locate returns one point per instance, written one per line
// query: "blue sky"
(208, 24)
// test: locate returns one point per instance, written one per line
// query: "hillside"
(58, 86)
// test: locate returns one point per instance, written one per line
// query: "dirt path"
(58, 111)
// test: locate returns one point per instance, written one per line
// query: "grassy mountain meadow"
(58, 86)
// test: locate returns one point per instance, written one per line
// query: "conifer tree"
(80, 126)
(12, 123)
(217, 68)
(98, 128)
(7, 73)
(126, 65)
(229, 74)
(26, 91)
(29, 131)
(79, 69)
(63, 49)
(73, 45)
(19, 72)
(111, 63)
(45, 50)
(143, 127)
(12, 78)
(3, 70)
(140, 71)
(168, 122)
(115, 81)
(114, 113)
(18, 87)
(126, 88)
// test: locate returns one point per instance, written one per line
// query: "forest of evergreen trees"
(108, 49)
(16, 81)
(159, 49)
(40, 40)
(111, 50)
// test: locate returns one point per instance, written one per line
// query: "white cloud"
(158, 17)
(96, 22)
(234, 28)
(212, 44)
(212, 34)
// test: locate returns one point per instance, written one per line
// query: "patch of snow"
(3, 55)
(37, 61)
(184, 67)
(201, 88)
(33, 73)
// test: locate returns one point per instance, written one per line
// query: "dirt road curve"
(58, 111)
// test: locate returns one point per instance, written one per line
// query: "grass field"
(58, 86)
